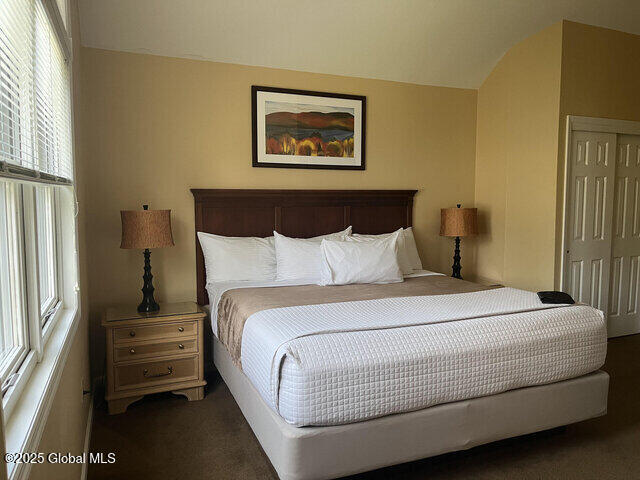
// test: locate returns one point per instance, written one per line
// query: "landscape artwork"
(299, 129)
(302, 129)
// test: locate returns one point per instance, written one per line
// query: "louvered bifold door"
(591, 178)
(623, 318)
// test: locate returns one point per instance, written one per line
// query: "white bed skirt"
(306, 453)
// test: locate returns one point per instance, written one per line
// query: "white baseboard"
(87, 439)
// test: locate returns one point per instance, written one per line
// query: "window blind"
(35, 106)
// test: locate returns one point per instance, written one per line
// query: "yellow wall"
(66, 424)
(516, 163)
(158, 126)
(600, 78)
(567, 69)
(600, 72)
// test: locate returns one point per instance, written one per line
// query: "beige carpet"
(166, 437)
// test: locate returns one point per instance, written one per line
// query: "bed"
(366, 377)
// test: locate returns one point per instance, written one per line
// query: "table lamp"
(458, 222)
(145, 229)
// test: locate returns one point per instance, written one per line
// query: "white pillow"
(299, 258)
(403, 258)
(408, 257)
(411, 249)
(373, 261)
(237, 258)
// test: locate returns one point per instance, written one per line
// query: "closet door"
(623, 318)
(591, 178)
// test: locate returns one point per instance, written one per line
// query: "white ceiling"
(434, 42)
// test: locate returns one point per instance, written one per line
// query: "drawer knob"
(132, 351)
(181, 329)
(132, 333)
(181, 347)
(169, 371)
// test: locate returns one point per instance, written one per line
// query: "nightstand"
(154, 352)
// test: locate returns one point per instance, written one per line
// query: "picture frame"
(307, 129)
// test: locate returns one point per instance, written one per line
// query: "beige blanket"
(237, 305)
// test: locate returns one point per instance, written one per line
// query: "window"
(14, 342)
(36, 183)
(52, 104)
(9, 120)
(46, 251)
(35, 113)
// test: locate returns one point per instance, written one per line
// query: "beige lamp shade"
(458, 222)
(146, 229)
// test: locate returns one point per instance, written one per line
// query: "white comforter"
(338, 363)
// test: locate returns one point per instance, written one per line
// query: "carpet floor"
(165, 437)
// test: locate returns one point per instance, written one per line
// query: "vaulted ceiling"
(452, 43)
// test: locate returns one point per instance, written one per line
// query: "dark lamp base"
(148, 304)
(456, 267)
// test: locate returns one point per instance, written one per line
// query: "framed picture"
(304, 129)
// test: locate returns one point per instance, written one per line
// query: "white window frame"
(60, 25)
(37, 331)
(53, 303)
(54, 308)
(13, 362)
(26, 404)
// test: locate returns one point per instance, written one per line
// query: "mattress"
(332, 364)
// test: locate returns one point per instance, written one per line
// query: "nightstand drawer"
(126, 353)
(152, 332)
(146, 374)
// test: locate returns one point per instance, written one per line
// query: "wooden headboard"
(296, 213)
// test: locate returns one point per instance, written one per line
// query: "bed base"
(314, 453)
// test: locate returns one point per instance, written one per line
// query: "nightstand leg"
(120, 405)
(192, 394)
